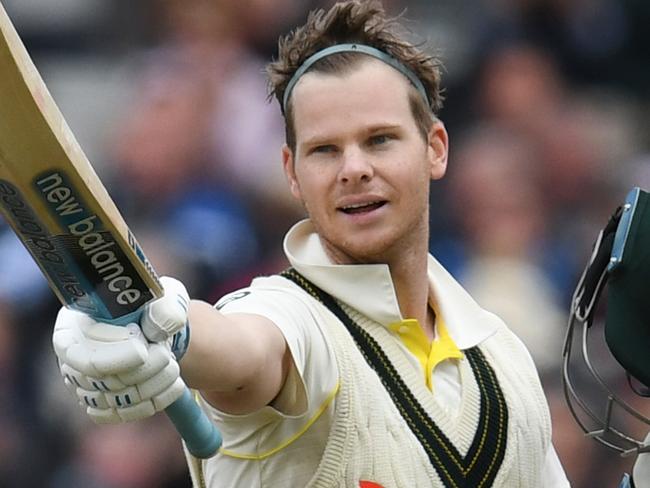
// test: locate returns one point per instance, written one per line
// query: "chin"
(367, 251)
(370, 245)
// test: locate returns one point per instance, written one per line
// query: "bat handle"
(200, 435)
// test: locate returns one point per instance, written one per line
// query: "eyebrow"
(382, 127)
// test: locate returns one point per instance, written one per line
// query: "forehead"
(369, 93)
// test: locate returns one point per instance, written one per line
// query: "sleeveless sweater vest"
(370, 440)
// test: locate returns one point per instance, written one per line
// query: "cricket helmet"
(619, 269)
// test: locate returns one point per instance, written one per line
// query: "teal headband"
(353, 48)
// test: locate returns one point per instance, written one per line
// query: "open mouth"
(362, 207)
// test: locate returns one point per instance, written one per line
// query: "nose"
(355, 167)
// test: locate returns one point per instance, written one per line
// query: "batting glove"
(115, 372)
(641, 471)
(167, 316)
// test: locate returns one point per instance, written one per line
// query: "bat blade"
(56, 204)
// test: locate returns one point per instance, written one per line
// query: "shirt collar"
(369, 288)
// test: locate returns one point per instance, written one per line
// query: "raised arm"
(239, 362)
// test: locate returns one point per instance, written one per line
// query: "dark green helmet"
(620, 260)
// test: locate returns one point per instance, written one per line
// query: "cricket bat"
(55, 202)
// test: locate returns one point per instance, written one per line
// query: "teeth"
(359, 205)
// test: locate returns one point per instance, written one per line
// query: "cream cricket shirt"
(259, 448)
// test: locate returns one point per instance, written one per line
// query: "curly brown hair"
(353, 21)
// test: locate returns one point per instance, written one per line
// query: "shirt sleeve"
(315, 373)
(300, 416)
(553, 473)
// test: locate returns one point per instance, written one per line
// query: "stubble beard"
(411, 241)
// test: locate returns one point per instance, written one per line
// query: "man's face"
(361, 166)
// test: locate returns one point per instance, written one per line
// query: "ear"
(438, 150)
(289, 166)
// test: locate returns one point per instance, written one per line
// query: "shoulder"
(507, 344)
(273, 294)
(291, 310)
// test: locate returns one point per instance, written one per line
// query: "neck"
(409, 270)
(411, 284)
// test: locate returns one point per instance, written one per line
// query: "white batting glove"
(168, 315)
(641, 470)
(114, 372)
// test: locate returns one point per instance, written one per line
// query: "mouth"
(359, 208)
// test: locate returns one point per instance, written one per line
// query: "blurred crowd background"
(547, 104)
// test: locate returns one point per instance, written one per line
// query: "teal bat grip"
(201, 437)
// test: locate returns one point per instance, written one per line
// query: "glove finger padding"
(66, 330)
(158, 384)
(74, 377)
(140, 411)
(114, 372)
(93, 399)
(135, 402)
(157, 359)
(169, 396)
(164, 317)
(106, 383)
(96, 349)
(112, 358)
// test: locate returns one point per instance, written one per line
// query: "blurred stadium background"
(547, 104)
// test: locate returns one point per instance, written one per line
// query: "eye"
(324, 149)
(379, 139)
